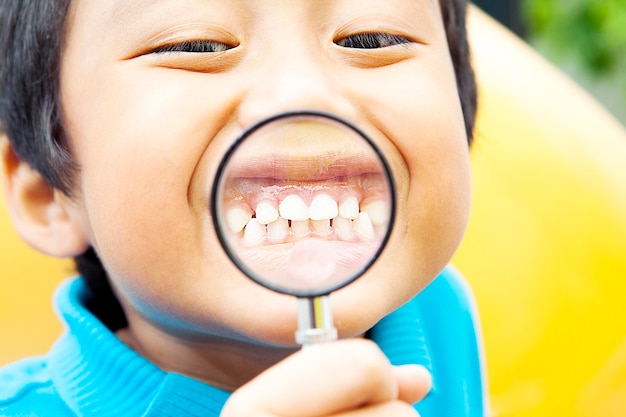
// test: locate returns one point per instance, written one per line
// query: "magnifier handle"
(315, 321)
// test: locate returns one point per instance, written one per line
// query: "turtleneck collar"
(98, 375)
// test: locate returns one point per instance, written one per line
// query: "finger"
(322, 380)
(386, 409)
(414, 382)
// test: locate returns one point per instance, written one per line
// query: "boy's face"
(153, 93)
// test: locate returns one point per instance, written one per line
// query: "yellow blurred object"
(545, 250)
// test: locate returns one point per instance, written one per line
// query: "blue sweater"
(90, 372)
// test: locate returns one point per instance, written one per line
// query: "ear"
(39, 212)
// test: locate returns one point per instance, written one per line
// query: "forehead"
(124, 13)
(122, 7)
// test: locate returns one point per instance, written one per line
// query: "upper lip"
(282, 167)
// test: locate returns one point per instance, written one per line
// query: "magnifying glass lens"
(304, 203)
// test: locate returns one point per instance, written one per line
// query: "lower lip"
(308, 265)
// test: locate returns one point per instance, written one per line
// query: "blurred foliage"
(591, 31)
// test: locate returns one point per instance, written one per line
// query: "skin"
(148, 130)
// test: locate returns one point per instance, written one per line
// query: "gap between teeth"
(292, 217)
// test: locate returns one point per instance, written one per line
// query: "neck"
(221, 362)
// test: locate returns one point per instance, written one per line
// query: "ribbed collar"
(98, 375)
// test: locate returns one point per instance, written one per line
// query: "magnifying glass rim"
(217, 211)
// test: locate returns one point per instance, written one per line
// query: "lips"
(310, 264)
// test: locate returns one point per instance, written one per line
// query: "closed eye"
(197, 46)
(371, 40)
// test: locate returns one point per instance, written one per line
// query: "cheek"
(135, 172)
(428, 150)
(138, 218)
(137, 149)
(436, 210)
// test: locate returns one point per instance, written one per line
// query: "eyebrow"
(125, 12)
(123, 7)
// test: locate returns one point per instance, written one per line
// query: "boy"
(116, 114)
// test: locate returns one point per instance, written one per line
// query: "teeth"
(266, 213)
(321, 227)
(293, 217)
(254, 232)
(294, 208)
(377, 211)
(349, 208)
(278, 229)
(300, 228)
(237, 218)
(323, 207)
(343, 228)
(363, 226)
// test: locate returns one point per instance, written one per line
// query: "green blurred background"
(585, 38)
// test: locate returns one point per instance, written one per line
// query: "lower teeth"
(281, 230)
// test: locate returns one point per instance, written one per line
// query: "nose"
(291, 81)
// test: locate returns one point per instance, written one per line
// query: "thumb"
(414, 382)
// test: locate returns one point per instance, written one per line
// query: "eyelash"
(371, 40)
(198, 46)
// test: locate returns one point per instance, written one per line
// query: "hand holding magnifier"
(303, 204)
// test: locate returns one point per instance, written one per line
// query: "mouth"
(261, 212)
(306, 206)
(306, 234)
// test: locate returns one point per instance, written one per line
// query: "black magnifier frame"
(217, 212)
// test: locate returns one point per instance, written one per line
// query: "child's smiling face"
(153, 92)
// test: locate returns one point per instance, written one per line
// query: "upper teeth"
(293, 208)
(237, 218)
(293, 217)
(349, 208)
(377, 210)
(266, 213)
(323, 207)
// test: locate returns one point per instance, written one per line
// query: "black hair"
(31, 36)
(454, 18)
(31, 45)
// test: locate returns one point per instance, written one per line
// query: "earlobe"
(39, 212)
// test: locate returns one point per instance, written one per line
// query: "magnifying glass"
(303, 204)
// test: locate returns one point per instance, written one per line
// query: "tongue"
(312, 263)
